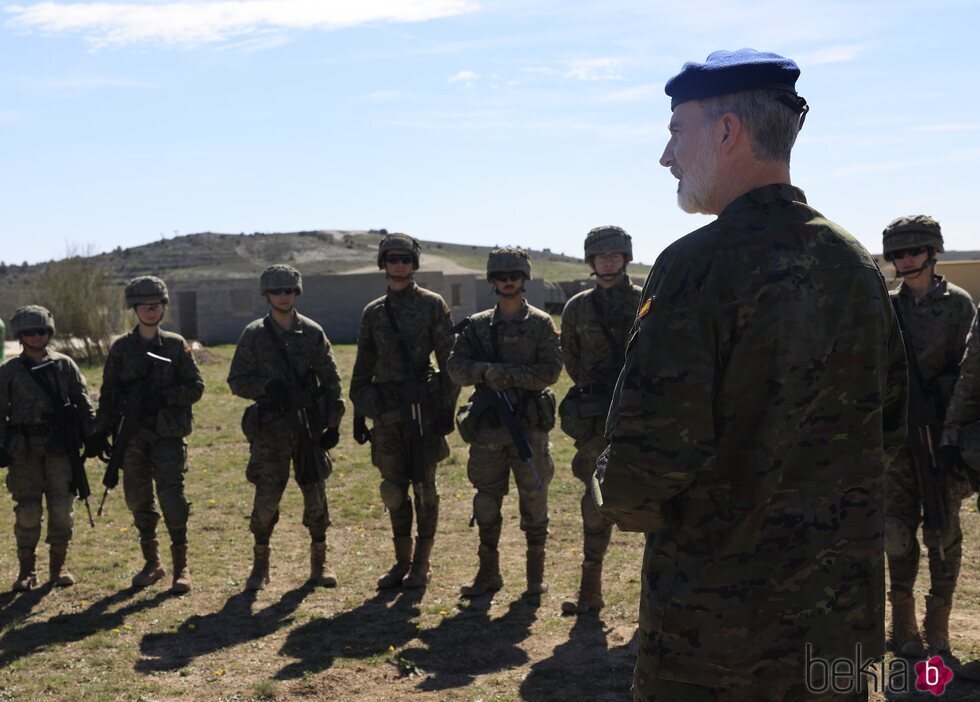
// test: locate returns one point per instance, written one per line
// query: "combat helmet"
(146, 289)
(32, 317)
(608, 239)
(399, 241)
(910, 231)
(281, 277)
(508, 259)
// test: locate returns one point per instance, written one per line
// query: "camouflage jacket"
(586, 351)
(23, 403)
(179, 381)
(528, 347)
(258, 360)
(936, 327)
(425, 322)
(763, 395)
(964, 408)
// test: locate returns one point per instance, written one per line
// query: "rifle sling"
(281, 348)
(615, 347)
(403, 349)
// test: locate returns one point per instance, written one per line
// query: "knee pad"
(393, 495)
(486, 508)
(28, 514)
(898, 538)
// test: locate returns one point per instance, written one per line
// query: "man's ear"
(728, 129)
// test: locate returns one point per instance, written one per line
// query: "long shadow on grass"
(370, 630)
(235, 623)
(66, 628)
(15, 606)
(471, 644)
(584, 667)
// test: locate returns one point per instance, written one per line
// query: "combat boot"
(487, 578)
(182, 574)
(904, 638)
(27, 577)
(152, 568)
(421, 571)
(259, 577)
(589, 593)
(403, 562)
(535, 571)
(320, 573)
(60, 576)
(936, 625)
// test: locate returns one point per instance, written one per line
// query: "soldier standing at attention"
(410, 403)
(594, 326)
(936, 317)
(151, 372)
(763, 394)
(511, 353)
(33, 388)
(285, 364)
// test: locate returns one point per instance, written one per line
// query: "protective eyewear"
(507, 276)
(283, 291)
(35, 332)
(398, 258)
(911, 251)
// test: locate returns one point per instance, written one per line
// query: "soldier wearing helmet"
(409, 401)
(512, 349)
(936, 316)
(594, 327)
(33, 387)
(152, 372)
(285, 365)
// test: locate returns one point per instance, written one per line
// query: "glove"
(152, 402)
(498, 378)
(4, 458)
(445, 422)
(276, 389)
(952, 461)
(96, 445)
(329, 438)
(362, 434)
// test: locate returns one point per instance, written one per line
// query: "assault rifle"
(69, 427)
(498, 401)
(304, 415)
(128, 424)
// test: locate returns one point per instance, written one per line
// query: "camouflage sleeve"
(571, 343)
(547, 362)
(895, 396)
(4, 402)
(325, 367)
(190, 382)
(244, 378)
(366, 359)
(464, 369)
(964, 408)
(109, 394)
(78, 395)
(442, 336)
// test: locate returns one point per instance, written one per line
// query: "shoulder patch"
(645, 309)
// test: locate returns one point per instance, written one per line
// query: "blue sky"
(477, 121)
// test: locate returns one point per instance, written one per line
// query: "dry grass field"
(101, 640)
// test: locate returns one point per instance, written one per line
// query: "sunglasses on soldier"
(398, 258)
(902, 253)
(34, 332)
(283, 291)
(505, 276)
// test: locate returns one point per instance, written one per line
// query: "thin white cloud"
(384, 96)
(886, 167)
(83, 83)
(189, 23)
(595, 69)
(964, 127)
(638, 93)
(463, 77)
(841, 53)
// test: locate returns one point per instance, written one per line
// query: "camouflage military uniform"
(40, 465)
(158, 452)
(528, 347)
(936, 327)
(376, 389)
(273, 438)
(593, 366)
(963, 411)
(763, 393)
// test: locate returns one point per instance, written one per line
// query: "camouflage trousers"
(153, 460)
(271, 454)
(489, 468)
(391, 454)
(596, 529)
(659, 690)
(35, 473)
(903, 516)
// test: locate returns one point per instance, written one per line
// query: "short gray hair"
(772, 125)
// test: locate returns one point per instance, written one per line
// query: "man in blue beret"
(762, 396)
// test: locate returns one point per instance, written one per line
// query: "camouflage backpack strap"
(403, 349)
(618, 349)
(267, 323)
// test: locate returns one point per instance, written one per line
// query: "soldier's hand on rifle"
(361, 432)
(4, 458)
(329, 438)
(276, 389)
(96, 445)
(498, 377)
(952, 461)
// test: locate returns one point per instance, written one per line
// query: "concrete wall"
(966, 274)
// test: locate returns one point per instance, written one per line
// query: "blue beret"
(727, 72)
